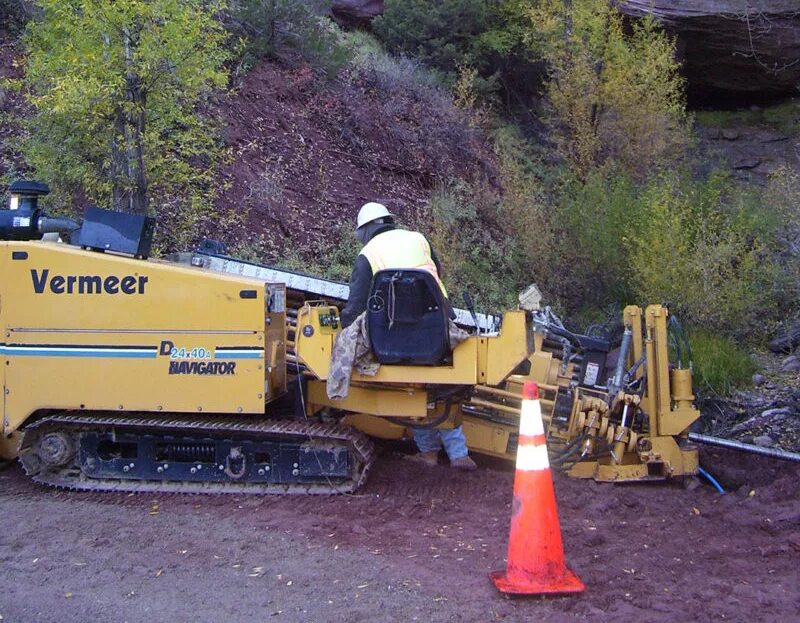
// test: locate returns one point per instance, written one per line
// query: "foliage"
(781, 198)
(782, 117)
(456, 34)
(593, 218)
(702, 250)
(280, 28)
(440, 34)
(116, 88)
(614, 96)
(720, 364)
(526, 214)
(705, 247)
(476, 255)
(14, 14)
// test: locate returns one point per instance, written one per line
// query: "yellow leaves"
(76, 78)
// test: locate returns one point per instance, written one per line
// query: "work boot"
(431, 459)
(464, 463)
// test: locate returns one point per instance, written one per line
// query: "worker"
(386, 246)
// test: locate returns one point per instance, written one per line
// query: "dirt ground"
(416, 544)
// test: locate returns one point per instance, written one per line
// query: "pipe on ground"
(731, 444)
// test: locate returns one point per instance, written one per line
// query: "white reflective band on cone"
(532, 458)
(530, 418)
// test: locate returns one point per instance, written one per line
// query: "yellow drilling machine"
(126, 373)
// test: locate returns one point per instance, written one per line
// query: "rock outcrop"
(736, 49)
(356, 12)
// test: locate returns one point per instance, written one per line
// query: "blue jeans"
(431, 439)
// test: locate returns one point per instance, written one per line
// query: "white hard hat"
(371, 211)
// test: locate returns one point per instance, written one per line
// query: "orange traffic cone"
(535, 551)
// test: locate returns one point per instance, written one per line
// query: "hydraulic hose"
(774, 453)
(56, 225)
(712, 480)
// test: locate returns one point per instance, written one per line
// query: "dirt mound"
(415, 544)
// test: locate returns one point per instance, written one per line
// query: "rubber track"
(69, 477)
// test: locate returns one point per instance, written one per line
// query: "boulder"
(731, 49)
(787, 339)
(765, 441)
(356, 12)
(791, 364)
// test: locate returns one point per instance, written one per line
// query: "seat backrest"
(407, 318)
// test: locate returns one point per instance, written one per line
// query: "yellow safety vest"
(399, 248)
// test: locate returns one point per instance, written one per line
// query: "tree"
(116, 86)
(615, 95)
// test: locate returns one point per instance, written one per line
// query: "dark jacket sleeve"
(360, 283)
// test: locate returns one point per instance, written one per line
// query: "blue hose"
(712, 480)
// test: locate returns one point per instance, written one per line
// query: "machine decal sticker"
(200, 353)
(87, 284)
(200, 367)
(181, 353)
(69, 350)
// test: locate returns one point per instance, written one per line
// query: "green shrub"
(440, 34)
(699, 246)
(477, 255)
(287, 29)
(594, 218)
(720, 364)
(781, 198)
(709, 248)
(615, 93)
(526, 215)
(450, 35)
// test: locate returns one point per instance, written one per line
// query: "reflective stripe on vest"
(399, 248)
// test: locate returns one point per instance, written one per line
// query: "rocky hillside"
(307, 153)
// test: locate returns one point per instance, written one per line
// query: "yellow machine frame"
(165, 338)
(401, 391)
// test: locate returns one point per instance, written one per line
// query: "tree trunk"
(119, 163)
(128, 174)
(567, 22)
(136, 120)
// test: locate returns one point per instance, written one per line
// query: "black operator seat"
(407, 319)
